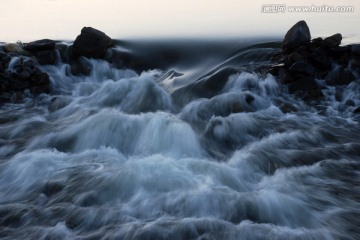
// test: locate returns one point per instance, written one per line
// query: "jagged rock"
(297, 35)
(46, 57)
(91, 43)
(332, 41)
(302, 68)
(40, 45)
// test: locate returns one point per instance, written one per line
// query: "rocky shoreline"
(304, 61)
(304, 66)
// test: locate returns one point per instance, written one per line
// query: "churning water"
(125, 154)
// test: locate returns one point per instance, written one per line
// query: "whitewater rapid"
(113, 155)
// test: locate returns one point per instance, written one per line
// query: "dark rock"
(350, 102)
(317, 42)
(17, 74)
(340, 76)
(339, 94)
(19, 85)
(320, 59)
(249, 99)
(26, 74)
(303, 84)
(297, 35)
(63, 50)
(355, 49)
(4, 85)
(80, 66)
(13, 75)
(28, 63)
(312, 95)
(118, 58)
(287, 78)
(91, 43)
(276, 69)
(40, 83)
(354, 65)
(2, 55)
(46, 57)
(296, 57)
(302, 68)
(338, 51)
(5, 97)
(341, 55)
(40, 45)
(332, 41)
(356, 110)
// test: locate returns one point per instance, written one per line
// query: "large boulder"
(297, 35)
(91, 43)
(40, 45)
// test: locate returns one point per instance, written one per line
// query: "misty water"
(129, 154)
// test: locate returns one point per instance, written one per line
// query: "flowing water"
(133, 154)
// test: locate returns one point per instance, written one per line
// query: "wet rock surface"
(91, 43)
(19, 74)
(304, 63)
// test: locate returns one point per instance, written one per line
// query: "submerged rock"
(91, 43)
(297, 35)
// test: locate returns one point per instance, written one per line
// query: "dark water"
(193, 147)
